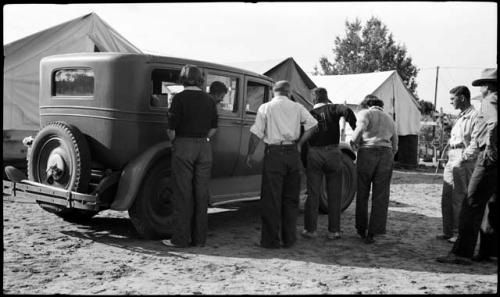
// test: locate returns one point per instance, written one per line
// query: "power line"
(451, 67)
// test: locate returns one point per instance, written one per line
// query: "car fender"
(132, 176)
(346, 148)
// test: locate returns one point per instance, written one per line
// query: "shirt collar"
(469, 109)
(280, 98)
(192, 88)
(318, 105)
(376, 107)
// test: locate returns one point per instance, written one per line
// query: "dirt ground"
(45, 255)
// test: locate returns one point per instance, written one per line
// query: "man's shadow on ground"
(409, 244)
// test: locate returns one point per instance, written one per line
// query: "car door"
(226, 142)
(257, 91)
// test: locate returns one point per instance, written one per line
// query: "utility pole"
(436, 88)
(435, 107)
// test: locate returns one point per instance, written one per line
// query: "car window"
(257, 94)
(229, 102)
(165, 84)
(73, 82)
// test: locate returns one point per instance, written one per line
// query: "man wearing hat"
(278, 123)
(483, 183)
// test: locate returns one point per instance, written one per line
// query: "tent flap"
(284, 69)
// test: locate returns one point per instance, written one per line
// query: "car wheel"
(152, 211)
(60, 157)
(349, 185)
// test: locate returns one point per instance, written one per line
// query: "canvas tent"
(284, 69)
(399, 103)
(22, 58)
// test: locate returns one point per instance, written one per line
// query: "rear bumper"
(44, 193)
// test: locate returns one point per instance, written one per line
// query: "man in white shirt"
(478, 212)
(462, 154)
(278, 124)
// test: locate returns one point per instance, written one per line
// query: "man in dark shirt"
(324, 159)
(192, 120)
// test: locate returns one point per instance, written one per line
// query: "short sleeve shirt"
(279, 120)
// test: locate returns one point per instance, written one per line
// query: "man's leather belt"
(325, 146)
(457, 146)
(282, 143)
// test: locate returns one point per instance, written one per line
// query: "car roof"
(149, 58)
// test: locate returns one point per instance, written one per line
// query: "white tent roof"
(351, 88)
(387, 85)
(22, 58)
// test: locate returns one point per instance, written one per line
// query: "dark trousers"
(374, 167)
(191, 169)
(483, 184)
(488, 234)
(280, 195)
(323, 162)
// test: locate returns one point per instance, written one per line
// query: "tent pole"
(435, 103)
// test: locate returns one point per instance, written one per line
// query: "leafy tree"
(426, 108)
(368, 49)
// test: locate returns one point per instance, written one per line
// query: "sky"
(459, 37)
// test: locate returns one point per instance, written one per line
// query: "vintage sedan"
(103, 141)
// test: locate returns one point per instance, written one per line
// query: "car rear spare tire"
(60, 157)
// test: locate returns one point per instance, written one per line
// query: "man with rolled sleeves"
(192, 120)
(324, 160)
(462, 154)
(278, 124)
(481, 193)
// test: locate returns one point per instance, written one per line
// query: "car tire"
(152, 211)
(70, 146)
(349, 185)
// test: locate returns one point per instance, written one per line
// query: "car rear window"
(73, 82)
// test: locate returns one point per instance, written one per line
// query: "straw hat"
(488, 75)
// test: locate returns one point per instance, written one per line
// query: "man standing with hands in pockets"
(278, 124)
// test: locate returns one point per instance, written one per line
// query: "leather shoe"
(169, 243)
(308, 234)
(481, 258)
(362, 233)
(288, 245)
(443, 237)
(454, 259)
(267, 246)
(334, 235)
(369, 239)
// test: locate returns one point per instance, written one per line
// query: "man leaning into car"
(192, 120)
(278, 124)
